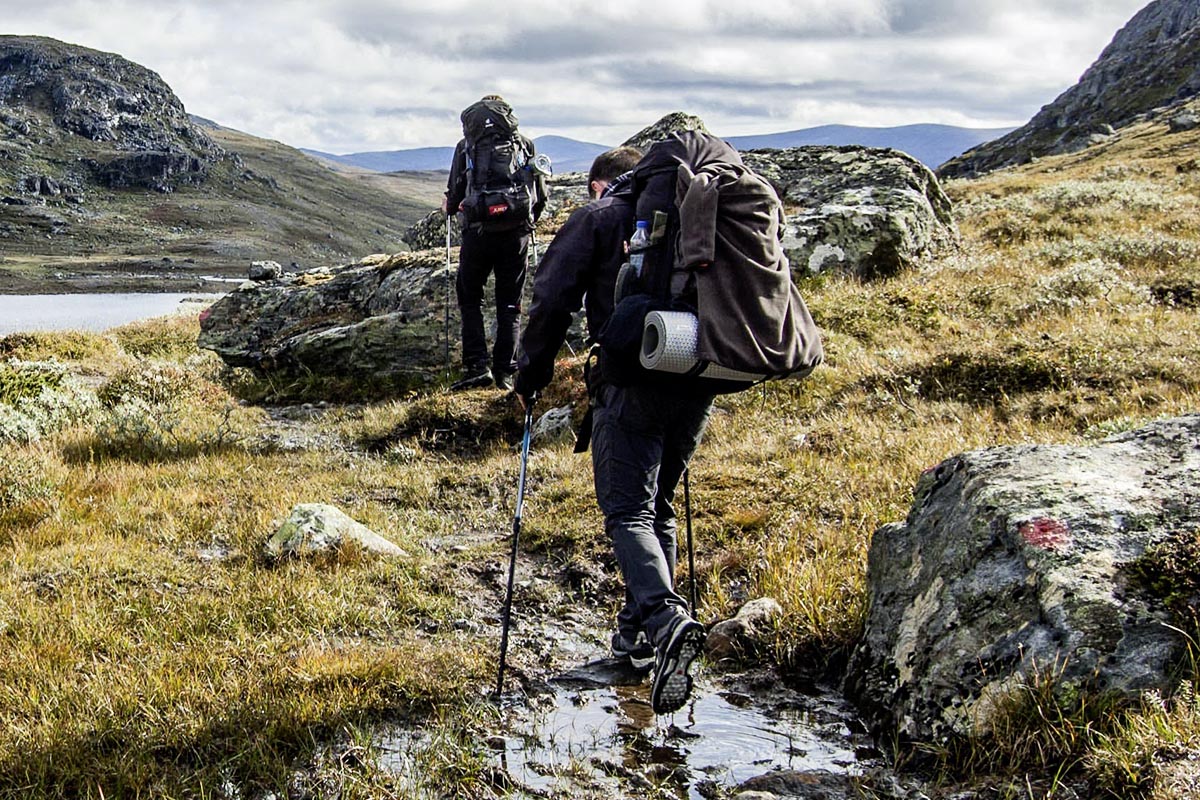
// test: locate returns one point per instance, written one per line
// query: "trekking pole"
(687, 506)
(506, 616)
(447, 304)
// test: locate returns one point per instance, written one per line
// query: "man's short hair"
(611, 164)
(494, 97)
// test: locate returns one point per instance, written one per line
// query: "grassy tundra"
(149, 649)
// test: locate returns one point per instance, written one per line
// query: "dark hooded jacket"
(582, 260)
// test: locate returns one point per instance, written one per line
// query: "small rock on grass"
(316, 528)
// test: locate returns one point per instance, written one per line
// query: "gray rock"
(106, 99)
(554, 426)
(430, 233)
(1013, 568)
(1186, 121)
(159, 170)
(316, 528)
(675, 122)
(869, 212)
(806, 785)
(42, 185)
(381, 319)
(741, 635)
(265, 270)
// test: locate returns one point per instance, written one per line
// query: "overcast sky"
(355, 75)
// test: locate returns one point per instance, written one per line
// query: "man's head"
(610, 165)
(492, 97)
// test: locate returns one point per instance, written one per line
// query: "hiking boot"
(504, 380)
(672, 684)
(639, 652)
(473, 379)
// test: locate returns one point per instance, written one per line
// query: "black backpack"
(499, 187)
(713, 302)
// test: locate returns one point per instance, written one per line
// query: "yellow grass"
(149, 649)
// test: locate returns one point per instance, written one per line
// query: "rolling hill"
(106, 183)
(931, 144)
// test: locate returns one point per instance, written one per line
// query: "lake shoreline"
(93, 311)
(29, 275)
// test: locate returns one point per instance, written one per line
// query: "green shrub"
(24, 380)
(170, 337)
(39, 398)
(60, 345)
(30, 482)
(153, 382)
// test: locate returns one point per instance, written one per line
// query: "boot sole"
(672, 683)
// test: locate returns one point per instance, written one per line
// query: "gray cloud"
(355, 75)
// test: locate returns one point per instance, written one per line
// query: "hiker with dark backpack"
(498, 195)
(645, 424)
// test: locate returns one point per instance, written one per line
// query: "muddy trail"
(577, 723)
(574, 723)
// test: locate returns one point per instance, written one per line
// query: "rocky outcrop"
(1022, 566)
(430, 233)
(675, 122)
(380, 320)
(1153, 61)
(144, 135)
(869, 212)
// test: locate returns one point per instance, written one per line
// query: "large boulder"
(1020, 566)
(866, 211)
(381, 320)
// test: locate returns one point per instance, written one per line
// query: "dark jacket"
(583, 259)
(456, 184)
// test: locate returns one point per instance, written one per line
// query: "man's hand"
(526, 401)
(445, 205)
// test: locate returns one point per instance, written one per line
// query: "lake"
(88, 312)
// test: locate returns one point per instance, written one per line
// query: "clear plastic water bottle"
(637, 246)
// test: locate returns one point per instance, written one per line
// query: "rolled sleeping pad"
(669, 341)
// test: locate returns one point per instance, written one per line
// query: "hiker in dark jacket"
(503, 253)
(642, 435)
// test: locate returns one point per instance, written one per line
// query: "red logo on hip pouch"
(497, 209)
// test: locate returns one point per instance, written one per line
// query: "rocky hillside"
(107, 183)
(1154, 61)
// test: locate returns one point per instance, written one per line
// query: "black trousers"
(502, 254)
(642, 439)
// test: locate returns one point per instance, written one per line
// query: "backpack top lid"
(694, 148)
(490, 116)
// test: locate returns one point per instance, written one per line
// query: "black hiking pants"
(642, 439)
(482, 254)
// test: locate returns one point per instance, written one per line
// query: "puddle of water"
(608, 736)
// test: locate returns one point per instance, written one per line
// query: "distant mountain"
(1152, 62)
(931, 144)
(421, 159)
(567, 155)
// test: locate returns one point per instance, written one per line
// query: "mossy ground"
(149, 649)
